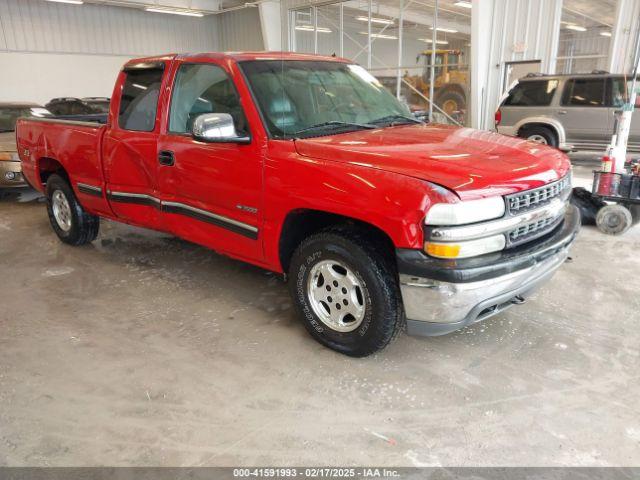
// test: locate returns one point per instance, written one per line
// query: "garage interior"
(142, 349)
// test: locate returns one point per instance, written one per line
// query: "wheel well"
(549, 127)
(49, 166)
(300, 224)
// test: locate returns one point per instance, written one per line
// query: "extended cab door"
(211, 192)
(129, 149)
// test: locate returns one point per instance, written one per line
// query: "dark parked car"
(99, 103)
(71, 108)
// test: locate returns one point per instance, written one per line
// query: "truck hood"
(8, 142)
(472, 163)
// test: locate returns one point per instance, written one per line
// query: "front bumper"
(441, 296)
(11, 167)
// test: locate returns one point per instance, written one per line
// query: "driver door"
(211, 192)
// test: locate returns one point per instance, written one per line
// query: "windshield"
(313, 98)
(9, 116)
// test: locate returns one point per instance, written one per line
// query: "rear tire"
(539, 134)
(614, 219)
(68, 219)
(345, 289)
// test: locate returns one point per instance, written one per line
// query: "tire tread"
(87, 225)
(382, 268)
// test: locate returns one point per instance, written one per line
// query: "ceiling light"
(188, 13)
(447, 30)
(74, 2)
(605, 34)
(438, 42)
(577, 28)
(309, 28)
(380, 35)
(383, 21)
(463, 4)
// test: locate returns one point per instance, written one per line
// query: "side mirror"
(216, 128)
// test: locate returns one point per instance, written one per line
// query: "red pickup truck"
(307, 166)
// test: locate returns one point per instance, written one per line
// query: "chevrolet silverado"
(307, 166)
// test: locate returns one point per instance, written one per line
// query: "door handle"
(166, 157)
(562, 112)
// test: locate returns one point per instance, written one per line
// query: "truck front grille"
(521, 202)
(530, 231)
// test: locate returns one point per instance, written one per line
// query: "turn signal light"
(6, 156)
(467, 248)
(442, 250)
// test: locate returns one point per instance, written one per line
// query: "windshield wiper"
(334, 123)
(396, 118)
(5, 130)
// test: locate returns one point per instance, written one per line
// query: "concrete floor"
(142, 349)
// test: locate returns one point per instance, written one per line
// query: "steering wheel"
(345, 108)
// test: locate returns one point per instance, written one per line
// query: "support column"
(481, 45)
(622, 37)
(494, 34)
(270, 22)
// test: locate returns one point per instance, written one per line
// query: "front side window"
(139, 101)
(532, 93)
(297, 96)
(584, 92)
(203, 88)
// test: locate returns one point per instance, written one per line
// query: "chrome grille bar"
(536, 198)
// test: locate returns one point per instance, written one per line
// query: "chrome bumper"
(436, 307)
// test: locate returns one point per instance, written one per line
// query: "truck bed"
(75, 144)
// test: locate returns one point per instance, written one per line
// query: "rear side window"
(584, 92)
(620, 92)
(532, 93)
(139, 101)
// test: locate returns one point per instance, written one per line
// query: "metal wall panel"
(240, 30)
(509, 30)
(46, 27)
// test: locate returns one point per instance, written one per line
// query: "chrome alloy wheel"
(61, 210)
(336, 295)
(537, 138)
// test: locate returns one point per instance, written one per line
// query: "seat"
(282, 112)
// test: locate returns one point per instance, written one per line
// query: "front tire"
(69, 220)
(345, 289)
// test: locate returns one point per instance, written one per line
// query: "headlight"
(465, 212)
(462, 240)
(469, 248)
